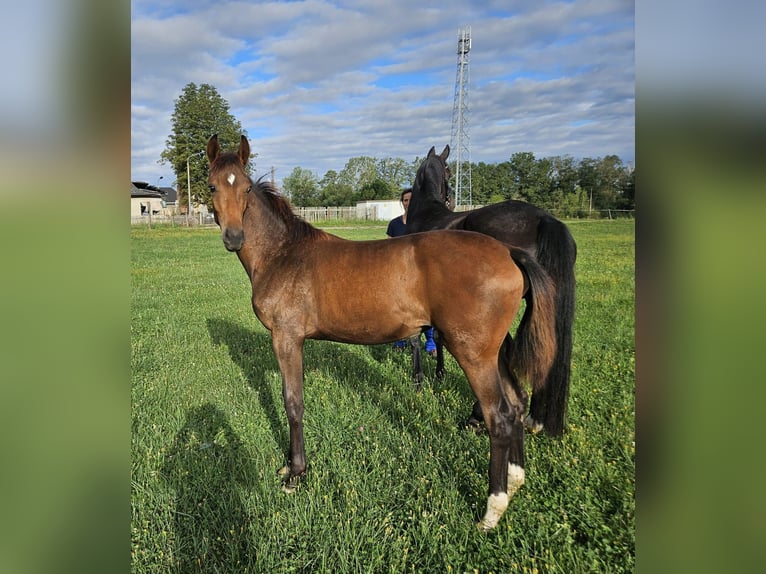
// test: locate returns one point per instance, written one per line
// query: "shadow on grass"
(252, 351)
(207, 468)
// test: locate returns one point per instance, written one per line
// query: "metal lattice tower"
(460, 142)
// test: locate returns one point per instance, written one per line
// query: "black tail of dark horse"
(556, 253)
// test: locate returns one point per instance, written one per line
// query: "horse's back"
(404, 259)
(460, 250)
(513, 222)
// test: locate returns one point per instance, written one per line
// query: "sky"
(317, 82)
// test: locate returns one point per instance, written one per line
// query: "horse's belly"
(369, 326)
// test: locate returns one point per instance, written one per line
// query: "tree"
(530, 178)
(301, 185)
(358, 172)
(605, 179)
(199, 113)
(564, 174)
(332, 192)
(376, 189)
(574, 204)
(397, 173)
(627, 198)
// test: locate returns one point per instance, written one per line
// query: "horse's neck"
(426, 212)
(265, 237)
(245, 255)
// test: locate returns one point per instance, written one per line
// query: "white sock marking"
(515, 479)
(496, 505)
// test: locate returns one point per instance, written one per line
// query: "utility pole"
(188, 187)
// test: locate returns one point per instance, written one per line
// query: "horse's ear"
(445, 153)
(244, 150)
(431, 152)
(212, 148)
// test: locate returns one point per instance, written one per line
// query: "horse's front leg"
(289, 353)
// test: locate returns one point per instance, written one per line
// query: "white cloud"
(318, 82)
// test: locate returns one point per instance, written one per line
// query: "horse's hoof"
(484, 527)
(289, 487)
(474, 425)
(289, 483)
(532, 425)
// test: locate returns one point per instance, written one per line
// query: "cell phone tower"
(460, 142)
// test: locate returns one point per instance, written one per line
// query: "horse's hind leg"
(517, 396)
(502, 418)
(533, 421)
(439, 355)
(506, 464)
(476, 420)
(417, 366)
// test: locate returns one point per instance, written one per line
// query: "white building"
(379, 210)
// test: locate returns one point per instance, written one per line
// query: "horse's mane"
(279, 208)
(297, 228)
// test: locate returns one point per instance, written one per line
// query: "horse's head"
(432, 178)
(229, 186)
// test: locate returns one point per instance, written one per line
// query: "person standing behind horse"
(396, 227)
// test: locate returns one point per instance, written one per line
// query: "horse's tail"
(556, 252)
(534, 350)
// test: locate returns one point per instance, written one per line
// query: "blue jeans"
(430, 344)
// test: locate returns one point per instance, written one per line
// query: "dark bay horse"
(523, 225)
(308, 284)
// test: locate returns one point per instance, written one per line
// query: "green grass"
(393, 485)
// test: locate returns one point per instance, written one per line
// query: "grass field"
(393, 484)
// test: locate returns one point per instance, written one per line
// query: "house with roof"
(149, 200)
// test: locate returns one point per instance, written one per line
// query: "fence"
(320, 214)
(315, 214)
(192, 220)
(310, 214)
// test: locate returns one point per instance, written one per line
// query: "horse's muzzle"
(233, 239)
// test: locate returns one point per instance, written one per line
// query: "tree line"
(569, 187)
(559, 183)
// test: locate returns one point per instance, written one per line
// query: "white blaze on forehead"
(231, 179)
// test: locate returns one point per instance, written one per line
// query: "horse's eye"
(211, 188)
(250, 187)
